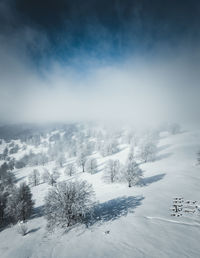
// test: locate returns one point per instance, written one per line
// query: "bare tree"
(51, 177)
(112, 170)
(34, 177)
(61, 160)
(109, 147)
(70, 169)
(147, 151)
(91, 165)
(81, 160)
(45, 175)
(43, 159)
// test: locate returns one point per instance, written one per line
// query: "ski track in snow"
(175, 222)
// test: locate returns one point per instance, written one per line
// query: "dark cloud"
(103, 28)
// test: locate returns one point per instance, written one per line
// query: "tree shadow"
(33, 230)
(152, 179)
(38, 212)
(98, 170)
(19, 179)
(114, 209)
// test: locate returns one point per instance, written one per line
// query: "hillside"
(131, 222)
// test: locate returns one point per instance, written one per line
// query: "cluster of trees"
(147, 151)
(4, 155)
(76, 142)
(49, 177)
(19, 206)
(16, 203)
(130, 172)
(13, 148)
(32, 159)
(108, 147)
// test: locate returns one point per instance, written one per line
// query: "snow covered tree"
(43, 159)
(109, 147)
(5, 153)
(72, 149)
(14, 149)
(132, 173)
(6, 176)
(88, 147)
(11, 164)
(4, 193)
(81, 160)
(70, 169)
(51, 152)
(20, 204)
(51, 177)
(147, 151)
(34, 177)
(7, 180)
(68, 203)
(91, 165)
(112, 170)
(45, 175)
(61, 160)
(22, 228)
(131, 155)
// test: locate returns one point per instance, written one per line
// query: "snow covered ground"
(135, 222)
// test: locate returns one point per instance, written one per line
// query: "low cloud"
(136, 90)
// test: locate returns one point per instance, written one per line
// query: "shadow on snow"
(114, 209)
(152, 179)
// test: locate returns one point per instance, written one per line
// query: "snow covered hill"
(131, 222)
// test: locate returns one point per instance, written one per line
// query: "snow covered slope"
(135, 222)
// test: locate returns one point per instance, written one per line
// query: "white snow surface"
(137, 219)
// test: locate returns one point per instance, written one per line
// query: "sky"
(111, 60)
